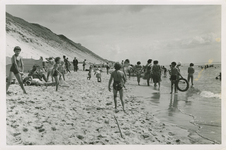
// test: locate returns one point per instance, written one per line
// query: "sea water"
(198, 109)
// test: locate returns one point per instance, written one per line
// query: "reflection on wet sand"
(173, 104)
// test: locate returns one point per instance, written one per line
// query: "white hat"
(179, 64)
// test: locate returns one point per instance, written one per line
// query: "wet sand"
(83, 114)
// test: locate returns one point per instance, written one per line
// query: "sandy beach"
(83, 114)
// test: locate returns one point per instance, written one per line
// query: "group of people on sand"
(57, 70)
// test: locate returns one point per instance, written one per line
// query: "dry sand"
(83, 113)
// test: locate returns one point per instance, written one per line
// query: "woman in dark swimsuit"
(16, 69)
(119, 80)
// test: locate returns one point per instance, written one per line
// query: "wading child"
(138, 70)
(191, 71)
(119, 80)
(98, 74)
(56, 72)
(16, 69)
(174, 75)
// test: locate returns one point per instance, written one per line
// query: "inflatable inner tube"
(182, 85)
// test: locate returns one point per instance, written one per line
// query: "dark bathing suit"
(55, 73)
(173, 77)
(117, 85)
(14, 69)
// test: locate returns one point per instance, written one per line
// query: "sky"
(185, 33)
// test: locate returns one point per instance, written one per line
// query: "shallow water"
(197, 110)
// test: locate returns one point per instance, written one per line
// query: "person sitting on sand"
(37, 73)
(98, 74)
(90, 72)
(138, 70)
(156, 73)
(119, 80)
(56, 72)
(16, 69)
(191, 71)
(29, 80)
(174, 75)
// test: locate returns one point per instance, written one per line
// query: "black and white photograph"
(113, 74)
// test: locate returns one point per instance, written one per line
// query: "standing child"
(174, 75)
(62, 70)
(191, 71)
(56, 71)
(119, 79)
(90, 72)
(98, 74)
(16, 69)
(138, 70)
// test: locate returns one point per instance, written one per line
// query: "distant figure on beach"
(98, 74)
(138, 70)
(75, 64)
(50, 68)
(62, 70)
(174, 75)
(125, 67)
(122, 63)
(56, 72)
(219, 76)
(107, 67)
(165, 71)
(191, 71)
(66, 63)
(119, 80)
(84, 64)
(178, 66)
(17, 69)
(156, 73)
(69, 65)
(148, 74)
(90, 72)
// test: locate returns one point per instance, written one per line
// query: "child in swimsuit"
(138, 70)
(119, 79)
(191, 71)
(174, 75)
(56, 71)
(98, 74)
(62, 70)
(16, 69)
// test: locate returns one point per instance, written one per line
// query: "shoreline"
(83, 114)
